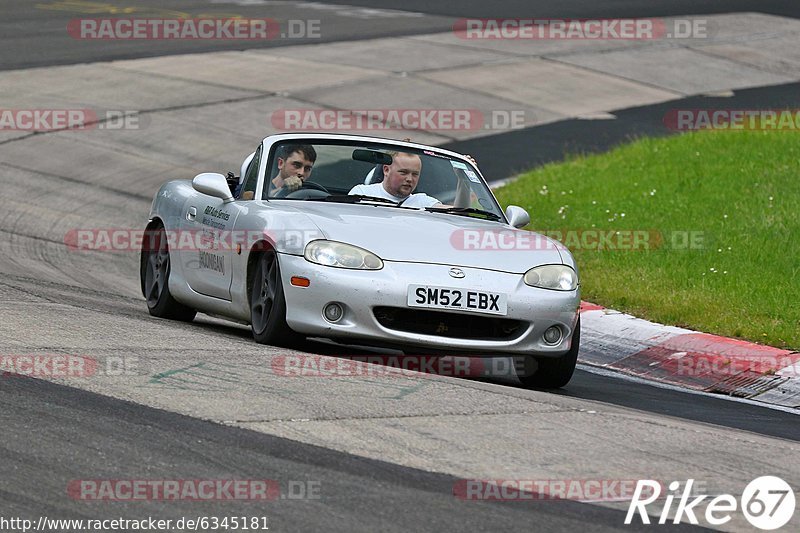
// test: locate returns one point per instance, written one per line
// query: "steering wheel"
(286, 193)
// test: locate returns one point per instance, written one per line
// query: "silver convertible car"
(364, 241)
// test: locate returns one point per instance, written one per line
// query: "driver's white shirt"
(419, 199)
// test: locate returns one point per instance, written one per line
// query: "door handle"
(191, 213)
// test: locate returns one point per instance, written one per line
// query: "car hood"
(419, 236)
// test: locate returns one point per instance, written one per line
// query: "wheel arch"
(153, 224)
(258, 248)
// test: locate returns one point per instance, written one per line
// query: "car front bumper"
(361, 292)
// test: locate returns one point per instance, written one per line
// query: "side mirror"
(212, 184)
(517, 216)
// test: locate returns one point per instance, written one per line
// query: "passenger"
(399, 181)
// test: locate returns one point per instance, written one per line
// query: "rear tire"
(154, 273)
(268, 304)
(555, 372)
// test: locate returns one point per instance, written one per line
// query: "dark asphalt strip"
(586, 8)
(53, 434)
(716, 410)
(516, 151)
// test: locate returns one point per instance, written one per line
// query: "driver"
(399, 181)
(295, 162)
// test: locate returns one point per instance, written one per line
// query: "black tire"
(555, 372)
(154, 273)
(268, 304)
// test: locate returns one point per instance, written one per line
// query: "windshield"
(377, 174)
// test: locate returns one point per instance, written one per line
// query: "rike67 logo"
(768, 503)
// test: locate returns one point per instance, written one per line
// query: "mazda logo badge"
(456, 273)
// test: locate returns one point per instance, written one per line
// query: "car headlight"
(556, 277)
(341, 255)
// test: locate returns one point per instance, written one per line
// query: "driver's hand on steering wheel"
(292, 183)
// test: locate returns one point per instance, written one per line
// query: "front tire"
(268, 304)
(555, 372)
(154, 273)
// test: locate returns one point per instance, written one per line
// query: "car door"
(208, 223)
(205, 242)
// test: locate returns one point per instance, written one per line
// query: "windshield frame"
(271, 143)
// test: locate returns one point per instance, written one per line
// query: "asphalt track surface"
(84, 431)
(55, 301)
(34, 33)
(587, 8)
(512, 152)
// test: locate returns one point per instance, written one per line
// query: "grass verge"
(709, 229)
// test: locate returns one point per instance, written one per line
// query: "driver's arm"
(290, 184)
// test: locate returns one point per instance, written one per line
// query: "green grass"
(740, 190)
